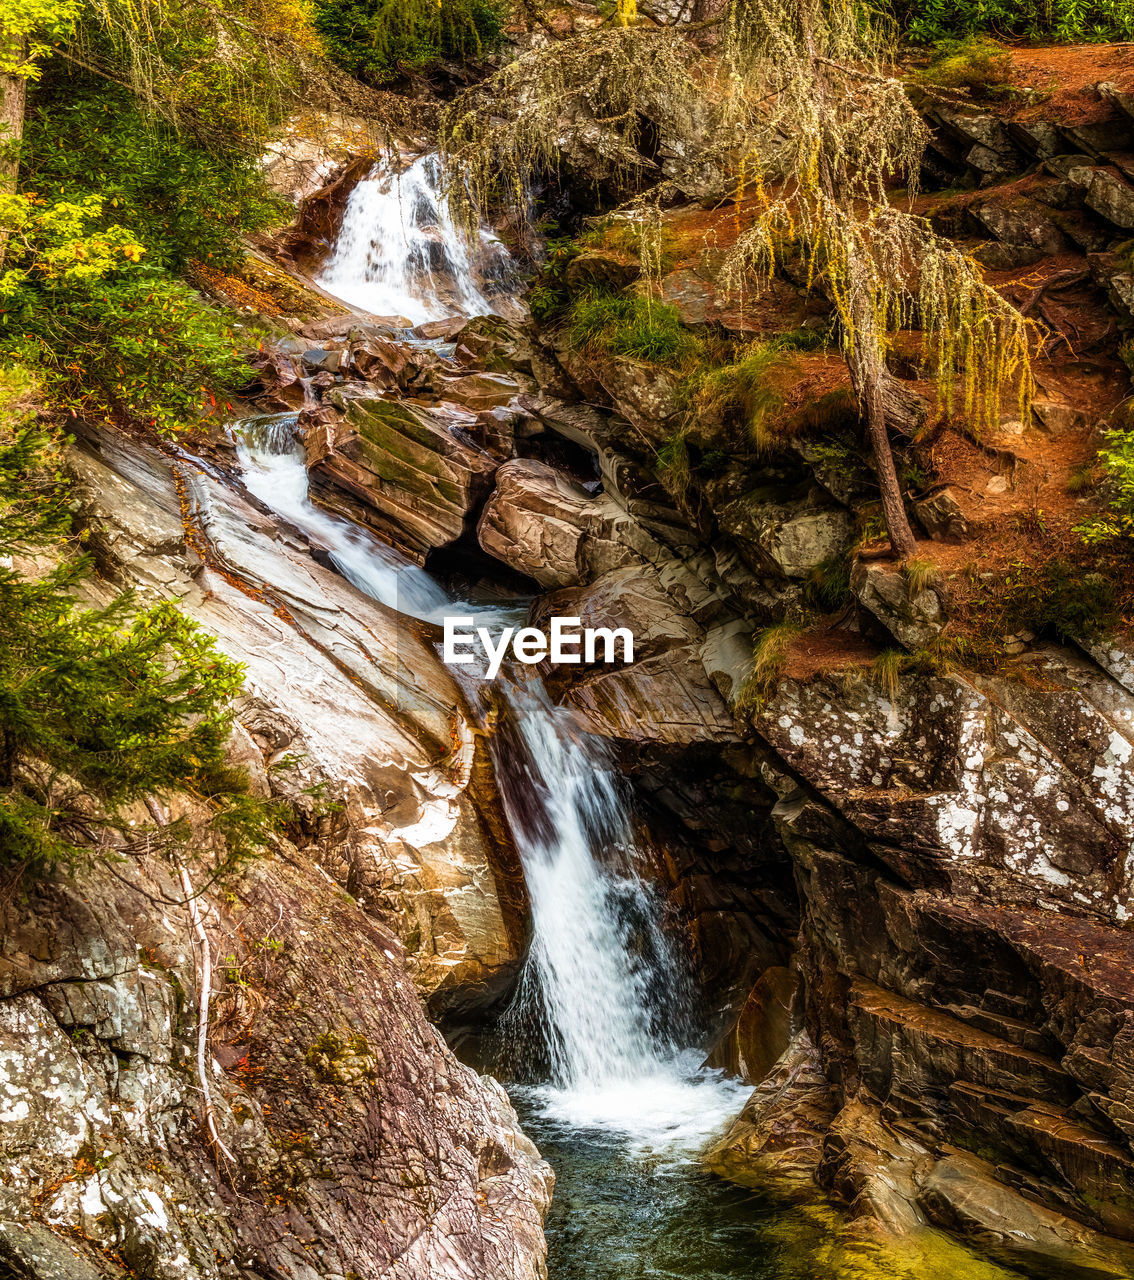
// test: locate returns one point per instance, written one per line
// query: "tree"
(25, 32)
(796, 104)
(99, 707)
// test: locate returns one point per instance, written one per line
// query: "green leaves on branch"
(377, 40)
(28, 30)
(99, 707)
(112, 339)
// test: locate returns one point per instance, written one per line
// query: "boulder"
(545, 525)
(407, 471)
(914, 619)
(785, 539)
(778, 1137)
(941, 516)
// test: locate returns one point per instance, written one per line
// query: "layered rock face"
(358, 1144)
(913, 893)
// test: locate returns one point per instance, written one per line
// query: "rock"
(941, 517)
(778, 1137)
(544, 525)
(665, 698)
(962, 1193)
(785, 539)
(1112, 196)
(1058, 418)
(1020, 222)
(338, 682)
(102, 1121)
(601, 267)
(406, 471)
(914, 620)
(762, 1030)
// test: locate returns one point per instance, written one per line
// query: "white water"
(399, 252)
(273, 466)
(601, 973)
(601, 980)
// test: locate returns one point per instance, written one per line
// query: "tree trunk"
(894, 509)
(13, 101)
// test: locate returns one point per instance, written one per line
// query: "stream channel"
(604, 1066)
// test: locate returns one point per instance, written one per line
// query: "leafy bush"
(184, 201)
(103, 705)
(1072, 20)
(377, 40)
(628, 325)
(975, 63)
(1117, 458)
(113, 338)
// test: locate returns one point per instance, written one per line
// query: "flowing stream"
(399, 253)
(609, 1080)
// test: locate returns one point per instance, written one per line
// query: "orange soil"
(1067, 74)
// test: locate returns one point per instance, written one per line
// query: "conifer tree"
(797, 102)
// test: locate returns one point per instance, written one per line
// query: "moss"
(334, 1059)
(975, 64)
(628, 325)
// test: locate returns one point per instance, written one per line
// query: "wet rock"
(338, 682)
(408, 471)
(778, 1137)
(544, 525)
(762, 1030)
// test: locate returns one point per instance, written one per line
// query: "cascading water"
(399, 252)
(625, 1108)
(274, 470)
(601, 982)
(606, 989)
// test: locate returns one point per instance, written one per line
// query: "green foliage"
(1059, 600)
(378, 40)
(104, 705)
(975, 63)
(926, 21)
(112, 338)
(1117, 457)
(769, 657)
(185, 202)
(29, 30)
(743, 394)
(628, 325)
(827, 586)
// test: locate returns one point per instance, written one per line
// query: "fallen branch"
(204, 990)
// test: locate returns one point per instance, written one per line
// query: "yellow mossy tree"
(796, 100)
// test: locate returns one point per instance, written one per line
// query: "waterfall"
(274, 470)
(399, 252)
(602, 984)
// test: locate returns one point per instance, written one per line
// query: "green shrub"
(627, 325)
(378, 40)
(1117, 459)
(108, 705)
(113, 338)
(743, 394)
(926, 21)
(1058, 600)
(975, 63)
(184, 202)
